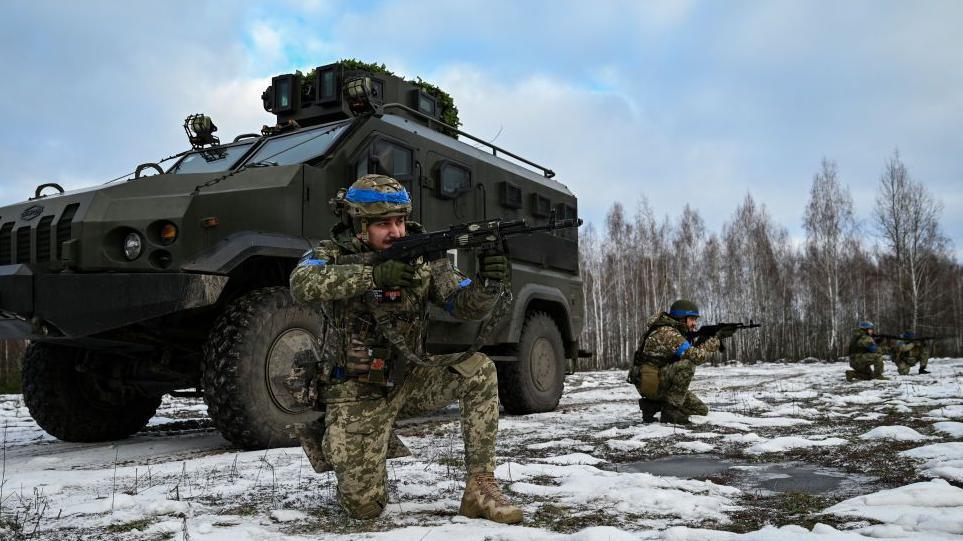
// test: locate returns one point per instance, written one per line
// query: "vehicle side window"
(386, 158)
(453, 180)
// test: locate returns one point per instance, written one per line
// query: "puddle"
(753, 477)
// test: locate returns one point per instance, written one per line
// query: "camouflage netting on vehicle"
(446, 104)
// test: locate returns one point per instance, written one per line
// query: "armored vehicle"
(176, 282)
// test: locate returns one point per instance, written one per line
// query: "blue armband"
(871, 348)
(313, 263)
(464, 283)
(682, 349)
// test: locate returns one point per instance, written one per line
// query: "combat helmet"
(866, 325)
(683, 308)
(369, 199)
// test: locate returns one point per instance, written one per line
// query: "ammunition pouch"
(648, 384)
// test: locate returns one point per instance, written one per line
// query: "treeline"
(895, 268)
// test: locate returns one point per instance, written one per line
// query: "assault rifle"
(705, 332)
(482, 235)
(913, 339)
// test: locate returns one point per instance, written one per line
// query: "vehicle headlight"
(133, 246)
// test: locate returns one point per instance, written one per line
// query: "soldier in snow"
(909, 352)
(379, 314)
(865, 355)
(665, 362)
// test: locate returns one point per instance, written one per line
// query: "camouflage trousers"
(867, 366)
(674, 380)
(357, 433)
(903, 364)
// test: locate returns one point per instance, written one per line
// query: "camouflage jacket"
(861, 344)
(340, 290)
(665, 342)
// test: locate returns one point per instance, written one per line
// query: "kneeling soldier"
(665, 362)
(865, 355)
(369, 385)
(910, 352)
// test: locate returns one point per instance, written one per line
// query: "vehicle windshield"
(298, 147)
(211, 160)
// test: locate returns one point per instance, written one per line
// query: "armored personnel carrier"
(176, 282)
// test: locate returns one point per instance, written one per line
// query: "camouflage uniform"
(665, 347)
(908, 354)
(360, 413)
(865, 357)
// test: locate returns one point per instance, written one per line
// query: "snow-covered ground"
(787, 452)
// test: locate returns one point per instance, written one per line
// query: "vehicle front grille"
(43, 239)
(42, 243)
(5, 241)
(63, 227)
(23, 244)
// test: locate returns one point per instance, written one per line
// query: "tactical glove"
(493, 266)
(393, 274)
(725, 332)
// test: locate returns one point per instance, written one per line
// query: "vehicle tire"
(533, 383)
(63, 401)
(247, 358)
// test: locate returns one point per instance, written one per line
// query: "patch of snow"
(573, 458)
(288, 515)
(935, 506)
(566, 443)
(621, 492)
(625, 445)
(743, 422)
(785, 443)
(952, 428)
(943, 460)
(695, 446)
(947, 412)
(894, 433)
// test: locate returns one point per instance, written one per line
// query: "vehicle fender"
(524, 297)
(234, 249)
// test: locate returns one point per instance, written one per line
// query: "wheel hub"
(279, 362)
(543, 364)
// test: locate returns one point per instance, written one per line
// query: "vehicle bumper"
(75, 305)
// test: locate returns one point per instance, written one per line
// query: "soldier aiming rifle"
(373, 281)
(665, 361)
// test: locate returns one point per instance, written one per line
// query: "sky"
(679, 101)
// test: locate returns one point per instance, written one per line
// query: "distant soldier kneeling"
(909, 352)
(865, 355)
(665, 362)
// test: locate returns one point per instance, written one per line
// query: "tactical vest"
(641, 357)
(855, 348)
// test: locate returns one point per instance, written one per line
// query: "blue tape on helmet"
(364, 195)
(866, 325)
(684, 313)
(682, 349)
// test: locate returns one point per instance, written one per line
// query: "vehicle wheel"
(533, 384)
(72, 405)
(247, 359)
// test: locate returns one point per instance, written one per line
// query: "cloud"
(677, 101)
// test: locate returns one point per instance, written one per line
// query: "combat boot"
(484, 499)
(649, 409)
(673, 416)
(881, 377)
(924, 371)
(850, 375)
